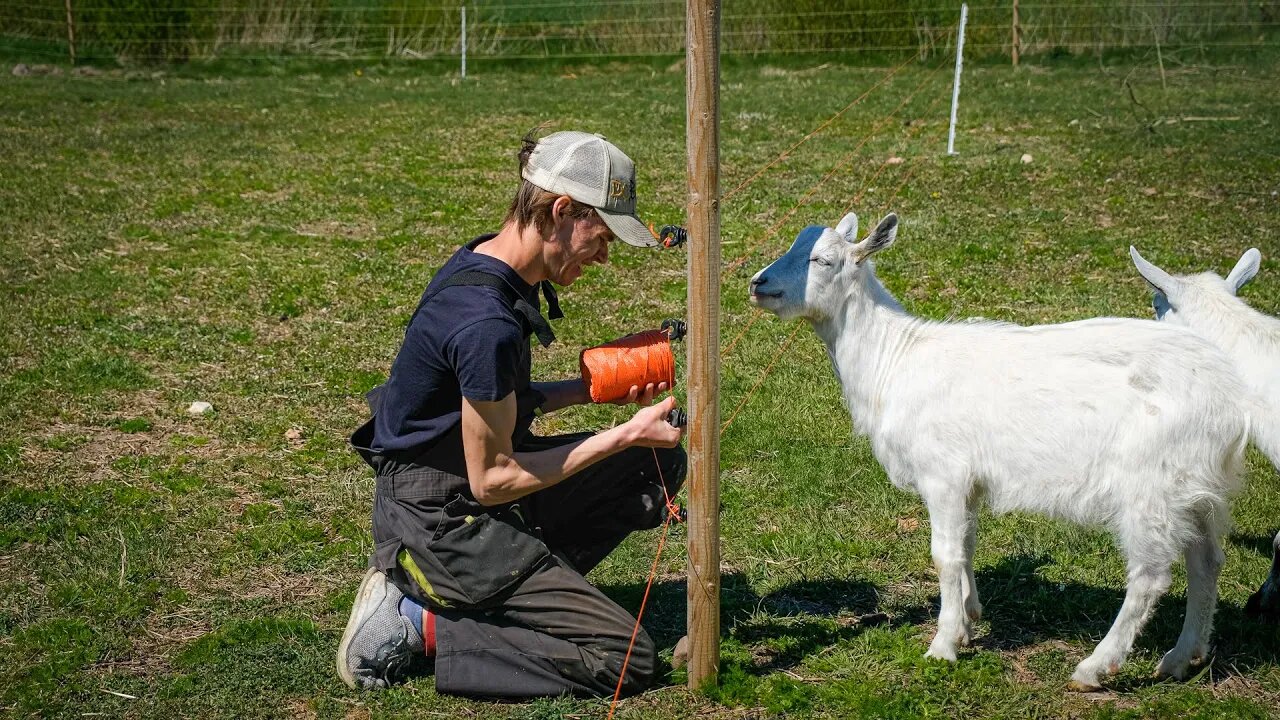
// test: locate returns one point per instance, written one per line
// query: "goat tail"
(1212, 509)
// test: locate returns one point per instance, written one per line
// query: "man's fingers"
(647, 398)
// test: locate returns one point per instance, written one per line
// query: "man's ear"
(560, 208)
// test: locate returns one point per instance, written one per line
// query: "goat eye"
(820, 261)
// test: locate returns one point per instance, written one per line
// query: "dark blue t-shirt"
(466, 341)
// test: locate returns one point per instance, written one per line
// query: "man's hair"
(532, 204)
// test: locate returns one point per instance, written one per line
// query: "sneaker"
(379, 645)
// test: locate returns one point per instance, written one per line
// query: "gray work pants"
(515, 618)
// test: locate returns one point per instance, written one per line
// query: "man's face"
(576, 244)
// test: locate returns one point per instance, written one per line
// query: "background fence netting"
(167, 30)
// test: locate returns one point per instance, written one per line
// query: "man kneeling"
(483, 532)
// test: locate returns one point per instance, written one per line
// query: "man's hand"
(649, 426)
(642, 397)
(497, 474)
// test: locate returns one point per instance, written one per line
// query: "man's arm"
(563, 393)
(499, 475)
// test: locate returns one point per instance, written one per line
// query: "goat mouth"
(756, 295)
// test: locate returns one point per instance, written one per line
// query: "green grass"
(258, 242)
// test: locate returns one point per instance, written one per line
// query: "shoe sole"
(364, 595)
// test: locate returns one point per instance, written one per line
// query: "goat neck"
(866, 336)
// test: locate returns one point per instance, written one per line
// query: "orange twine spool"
(610, 370)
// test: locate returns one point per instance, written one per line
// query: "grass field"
(258, 242)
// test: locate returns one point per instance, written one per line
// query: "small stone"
(895, 160)
(199, 407)
(293, 435)
(21, 70)
(1026, 158)
(1149, 191)
(680, 655)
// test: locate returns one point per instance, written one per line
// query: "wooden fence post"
(1017, 35)
(702, 87)
(71, 33)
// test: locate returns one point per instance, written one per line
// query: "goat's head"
(1174, 292)
(811, 280)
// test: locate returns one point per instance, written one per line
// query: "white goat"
(1208, 305)
(1127, 423)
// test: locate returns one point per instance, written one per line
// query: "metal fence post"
(955, 85)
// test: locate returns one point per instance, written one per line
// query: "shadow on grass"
(1023, 609)
(783, 627)
(1261, 544)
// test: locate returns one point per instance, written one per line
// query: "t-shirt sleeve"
(485, 355)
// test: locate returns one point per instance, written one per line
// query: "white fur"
(1207, 304)
(1129, 424)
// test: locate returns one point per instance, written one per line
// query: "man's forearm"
(522, 473)
(563, 393)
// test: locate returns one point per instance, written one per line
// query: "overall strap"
(540, 326)
(362, 439)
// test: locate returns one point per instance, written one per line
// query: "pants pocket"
(488, 554)
(435, 583)
(384, 554)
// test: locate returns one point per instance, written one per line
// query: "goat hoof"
(1083, 687)
(972, 608)
(1172, 667)
(941, 653)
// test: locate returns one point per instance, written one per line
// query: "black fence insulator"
(672, 236)
(675, 328)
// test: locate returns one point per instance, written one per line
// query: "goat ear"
(1244, 270)
(1155, 277)
(848, 227)
(879, 239)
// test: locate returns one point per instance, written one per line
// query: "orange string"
(840, 165)
(728, 349)
(609, 361)
(672, 510)
(612, 369)
(816, 130)
(751, 393)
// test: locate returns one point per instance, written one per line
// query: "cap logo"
(616, 189)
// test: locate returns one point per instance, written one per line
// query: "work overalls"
(515, 618)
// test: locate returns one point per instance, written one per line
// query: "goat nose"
(758, 281)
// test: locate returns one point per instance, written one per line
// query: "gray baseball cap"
(593, 171)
